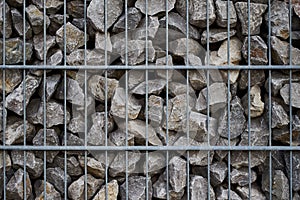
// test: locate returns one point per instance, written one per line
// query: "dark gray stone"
(8, 20)
(153, 25)
(154, 6)
(258, 50)
(221, 12)
(17, 21)
(285, 94)
(73, 166)
(38, 42)
(118, 137)
(295, 169)
(222, 194)
(197, 79)
(199, 188)
(241, 176)
(216, 35)
(160, 187)
(136, 188)
(178, 47)
(56, 177)
(177, 173)
(51, 6)
(15, 186)
(51, 86)
(13, 78)
(134, 17)
(75, 8)
(218, 172)
(256, 192)
(51, 192)
(279, 116)
(76, 124)
(97, 87)
(36, 19)
(257, 77)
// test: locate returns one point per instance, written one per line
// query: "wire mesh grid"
(181, 179)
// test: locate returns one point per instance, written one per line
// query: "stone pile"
(157, 108)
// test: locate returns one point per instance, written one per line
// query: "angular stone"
(241, 176)
(295, 169)
(176, 22)
(57, 20)
(100, 42)
(51, 6)
(176, 88)
(14, 133)
(199, 188)
(15, 100)
(94, 167)
(17, 21)
(218, 173)
(153, 7)
(73, 166)
(237, 119)
(153, 25)
(222, 194)
(76, 124)
(34, 166)
(197, 12)
(38, 42)
(36, 19)
(51, 140)
(219, 58)
(54, 113)
(155, 110)
(96, 57)
(112, 191)
(218, 97)
(74, 38)
(55, 58)
(75, 8)
(259, 137)
(258, 50)
(118, 137)
(7, 163)
(295, 90)
(296, 6)
(281, 52)
(177, 173)
(73, 140)
(256, 104)
(8, 21)
(118, 105)
(13, 78)
(136, 188)
(155, 86)
(95, 12)
(279, 116)
(257, 77)
(178, 47)
(256, 192)
(97, 87)
(77, 189)
(221, 12)
(14, 51)
(216, 35)
(197, 79)
(220, 155)
(51, 86)
(256, 12)
(160, 187)
(156, 163)
(56, 177)
(280, 184)
(51, 192)
(15, 186)
(134, 17)
(279, 18)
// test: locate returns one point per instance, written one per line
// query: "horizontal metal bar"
(144, 67)
(150, 148)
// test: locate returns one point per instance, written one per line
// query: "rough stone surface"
(38, 42)
(153, 25)
(197, 79)
(15, 186)
(75, 8)
(73, 166)
(279, 116)
(8, 20)
(133, 20)
(241, 176)
(154, 86)
(284, 93)
(94, 167)
(222, 194)
(51, 86)
(256, 13)
(17, 20)
(155, 110)
(153, 7)
(112, 194)
(52, 6)
(179, 47)
(56, 177)
(51, 192)
(36, 18)
(13, 78)
(55, 58)
(136, 188)
(256, 104)
(257, 77)
(296, 169)
(221, 12)
(258, 50)
(216, 35)
(156, 162)
(177, 173)
(100, 42)
(256, 192)
(218, 172)
(199, 188)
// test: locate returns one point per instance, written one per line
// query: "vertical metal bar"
(228, 96)
(24, 99)
(4, 100)
(65, 101)
(106, 98)
(208, 109)
(290, 98)
(44, 95)
(146, 107)
(270, 101)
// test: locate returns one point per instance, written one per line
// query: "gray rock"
(153, 7)
(76, 124)
(259, 137)
(284, 93)
(197, 79)
(112, 191)
(73, 140)
(51, 86)
(57, 20)
(222, 194)
(52, 6)
(56, 177)
(96, 57)
(34, 166)
(118, 105)
(51, 140)
(216, 35)
(36, 19)
(38, 42)
(154, 86)
(100, 41)
(74, 38)
(256, 104)
(256, 192)
(220, 155)
(296, 196)
(136, 188)
(153, 25)
(94, 167)
(55, 58)
(177, 173)
(237, 119)
(199, 188)
(95, 12)
(192, 60)
(279, 116)
(177, 88)
(73, 166)
(17, 21)
(160, 187)
(218, 97)
(218, 172)
(15, 186)
(76, 190)
(134, 17)
(14, 133)
(155, 110)
(197, 12)
(241, 176)
(280, 52)
(135, 77)
(219, 58)
(118, 137)
(221, 12)
(160, 73)
(14, 51)
(51, 192)
(179, 47)
(296, 6)
(8, 21)
(280, 184)
(176, 22)
(75, 8)
(295, 169)
(13, 78)
(258, 50)
(97, 87)
(256, 12)
(7, 162)
(156, 163)
(257, 77)
(15, 100)
(279, 18)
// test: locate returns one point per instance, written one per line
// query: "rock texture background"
(177, 119)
